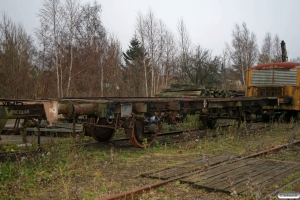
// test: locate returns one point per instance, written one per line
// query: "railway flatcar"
(280, 80)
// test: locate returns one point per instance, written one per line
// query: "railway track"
(12, 155)
(218, 162)
(198, 134)
(212, 166)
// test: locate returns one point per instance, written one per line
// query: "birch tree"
(71, 20)
(276, 49)
(244, 51)
(50, 22)
(151, 30)
(170, 53)
(266, 53)
(159, 45)
(271, 50)
(141, 30)
(91, 41)
(184, 45)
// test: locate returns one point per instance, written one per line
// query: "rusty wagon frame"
(140, 117)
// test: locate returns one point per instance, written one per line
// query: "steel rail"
(279, 189)
(148, 187)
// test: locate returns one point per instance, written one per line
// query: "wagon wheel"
(100, 134)
(138, 137)
(207, 122)
(289, 115)
(211, 123)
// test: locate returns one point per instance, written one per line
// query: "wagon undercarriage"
(139, 118)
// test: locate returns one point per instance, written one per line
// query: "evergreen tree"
(133, 70)
(134, 56)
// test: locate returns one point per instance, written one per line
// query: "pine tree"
(133, 70)
(135, 54)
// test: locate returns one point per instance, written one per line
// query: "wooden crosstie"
(244, 176)
(187, 167)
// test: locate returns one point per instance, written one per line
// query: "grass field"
(63, 171)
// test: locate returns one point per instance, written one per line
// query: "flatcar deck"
(140, 118)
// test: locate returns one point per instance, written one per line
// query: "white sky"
(209, 22)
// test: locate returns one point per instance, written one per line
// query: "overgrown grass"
(63, 171)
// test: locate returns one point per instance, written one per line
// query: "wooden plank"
(260, 172)
(177, 172)
(186, 167)
(279, 177)
(269, 178)
(242, 177)
(214, 160)
(206, 162)
(217, 171)
(222, 173)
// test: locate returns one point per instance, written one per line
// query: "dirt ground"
(257, 141)
(104, 169)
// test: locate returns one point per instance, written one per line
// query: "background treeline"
(73, 55)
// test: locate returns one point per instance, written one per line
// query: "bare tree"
(112, 61)
(266, 50)
(151, 30)
(140, 27)
(271, 50)
(276, 49)
(50, 21)
(91, 42)
(170, 52)
(71, 20)
(244, 52)
(184, 50)
(16, 60)
(204, 69)
(160, 48)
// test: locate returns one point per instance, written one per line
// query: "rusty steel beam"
(106, 115)
(50, 109)
(13, 109)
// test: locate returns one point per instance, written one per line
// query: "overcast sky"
(209, 22)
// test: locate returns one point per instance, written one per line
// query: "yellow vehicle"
(276, 80)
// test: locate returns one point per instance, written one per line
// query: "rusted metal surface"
(279, 65)
(14, 109)
(279, 80)
(99, 129)
(274, 77)
(140, 117)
